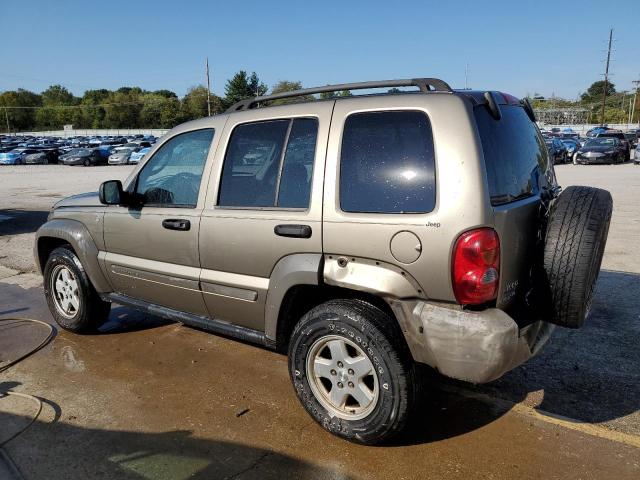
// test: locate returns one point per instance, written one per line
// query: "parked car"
(572, 146)
(82, 156)
(135, 157)
(42, 157)
(557, 150)
(15, 156)
(632, 138)
(620, 136)
(594, 131)
(332, 231)
(120, 155)
(602, 150)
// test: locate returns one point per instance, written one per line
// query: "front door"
(152, 249)
(266, 206)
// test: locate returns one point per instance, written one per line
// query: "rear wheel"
(87, 163)
(72, 300)
(351, 370)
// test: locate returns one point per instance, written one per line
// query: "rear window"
(513, 151)
(387, 163)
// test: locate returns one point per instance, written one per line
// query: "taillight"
(476, 266)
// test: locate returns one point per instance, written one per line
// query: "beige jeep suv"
(362, 235)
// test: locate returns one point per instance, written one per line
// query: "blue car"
(137, 156)
(572, 147)
(15, 156)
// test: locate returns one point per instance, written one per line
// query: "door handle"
(293, 231)
(176, 224)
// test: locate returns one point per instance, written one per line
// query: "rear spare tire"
(575, 240)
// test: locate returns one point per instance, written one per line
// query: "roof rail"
(424, 84)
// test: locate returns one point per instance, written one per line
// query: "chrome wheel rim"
(64, 286)
(342, 378)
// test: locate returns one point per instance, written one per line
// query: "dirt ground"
(150, 399)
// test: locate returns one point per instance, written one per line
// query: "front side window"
(171, 178)
(269, 164)
(387, 163)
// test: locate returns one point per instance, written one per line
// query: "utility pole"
(635, 95)
(606, 77)
(208, 88)
(6, 115)
(466, 77)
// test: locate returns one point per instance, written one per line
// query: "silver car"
(121, 155)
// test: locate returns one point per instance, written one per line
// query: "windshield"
(79, 151)
(600, 142)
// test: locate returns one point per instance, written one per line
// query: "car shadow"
(124, 320)
(175, 454)
(15, 222)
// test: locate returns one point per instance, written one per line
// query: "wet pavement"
(150, 399)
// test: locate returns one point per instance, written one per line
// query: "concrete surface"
(148, 399)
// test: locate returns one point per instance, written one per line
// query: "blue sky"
(514, 46)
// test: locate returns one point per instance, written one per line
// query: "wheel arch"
(59, 232)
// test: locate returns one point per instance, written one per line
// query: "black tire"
(87, 163)
(92, 311)
(382, 343)
(575, 241)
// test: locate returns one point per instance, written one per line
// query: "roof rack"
(424, 84)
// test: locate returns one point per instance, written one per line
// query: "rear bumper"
(476, 347)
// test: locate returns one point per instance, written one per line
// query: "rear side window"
(387, 163)
(513, 153)
(269, 164)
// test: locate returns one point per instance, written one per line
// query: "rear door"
(517, 167)
(264, 203)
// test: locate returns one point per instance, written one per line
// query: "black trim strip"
(213, 325)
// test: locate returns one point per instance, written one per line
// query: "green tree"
(166, 93)
(20, 119)
(59, 108)
(93, 112)
(242, 86)
(194, 103)
(159, 111)
(122, 109)
(287, 86)
(597, 89)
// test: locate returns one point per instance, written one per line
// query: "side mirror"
(111, 193)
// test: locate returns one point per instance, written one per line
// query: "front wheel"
(72, 300)
(352, 371)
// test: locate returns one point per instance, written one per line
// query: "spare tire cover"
(574, 244)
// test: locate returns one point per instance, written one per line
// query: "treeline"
(127, 107)
(618, 105)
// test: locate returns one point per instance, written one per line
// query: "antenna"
(606, 77)
(208, 87)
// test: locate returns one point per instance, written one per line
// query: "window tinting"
(387, 163)
(295, 182)
(513, 153)
(255, 173)
(172, 176)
